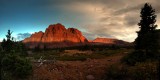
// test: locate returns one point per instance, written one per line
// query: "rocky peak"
(37, 34)
(55, 27)
(57, 33)
(73, 30)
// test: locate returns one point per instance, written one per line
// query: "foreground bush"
(141, 71)
(136, 56)
(116, 72)
(16, 66)
(144, 71)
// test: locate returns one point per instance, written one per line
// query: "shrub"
(115, 72)
(18, 67)
(144, 71)
(23, 68)
(141, 71)
(136, 56)
(13, 65)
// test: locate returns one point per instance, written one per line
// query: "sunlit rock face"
(58, 33)
(104, 40)
(109, 41)
(36, 37)
(57, 36)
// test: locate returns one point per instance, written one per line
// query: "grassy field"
(75, 64)
(76, 55)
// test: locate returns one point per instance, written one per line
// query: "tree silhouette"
(13, 65)
(148, 37)
(8, 44)
(147, 43)
(147, 25)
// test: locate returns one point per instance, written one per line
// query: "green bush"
(23, 68)
(13, 64)
(141, 71)
(18, 67)
(144, 71)
(116, 72)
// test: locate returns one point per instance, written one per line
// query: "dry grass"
(74, 70)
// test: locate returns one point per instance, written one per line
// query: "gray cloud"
(131, 20)
(129, 9)
(104, 18)
(107, 18)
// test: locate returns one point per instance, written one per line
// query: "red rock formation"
(109, 41)
(36, 37)
(57, 33)
(104, 40)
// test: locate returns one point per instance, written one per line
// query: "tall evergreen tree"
(147, 26)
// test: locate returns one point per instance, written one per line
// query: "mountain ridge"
(56, 35)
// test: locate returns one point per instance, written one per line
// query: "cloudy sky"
(95, 18)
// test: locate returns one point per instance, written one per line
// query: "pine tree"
(13, 66)
(7, 45)
(147, 26)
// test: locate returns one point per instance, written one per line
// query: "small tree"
(13, 65)
(8, 44)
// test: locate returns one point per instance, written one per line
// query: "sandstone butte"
(110, 41)
(104, 40)
(55, 35)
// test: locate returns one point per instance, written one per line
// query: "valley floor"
(90, 69)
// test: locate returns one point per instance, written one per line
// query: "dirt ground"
(91, 69)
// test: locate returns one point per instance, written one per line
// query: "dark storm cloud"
(22, 36)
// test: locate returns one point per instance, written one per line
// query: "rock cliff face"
(57, 36)
(58, 33)
(36, 37)
(109, 41)
(104, 40)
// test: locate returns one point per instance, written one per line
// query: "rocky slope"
(55, 35)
